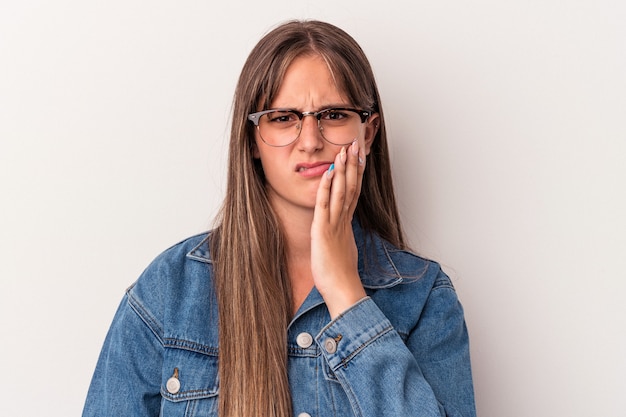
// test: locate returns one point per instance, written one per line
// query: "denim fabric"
(401, 351)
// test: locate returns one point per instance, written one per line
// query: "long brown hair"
(248, 248)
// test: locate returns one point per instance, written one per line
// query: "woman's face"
(293, 172)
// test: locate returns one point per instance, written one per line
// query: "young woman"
(304, 300)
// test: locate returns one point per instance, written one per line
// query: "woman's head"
(259, 82)
(266, 65)
(248, 247)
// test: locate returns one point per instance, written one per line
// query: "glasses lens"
(340, 126)
(279, 128)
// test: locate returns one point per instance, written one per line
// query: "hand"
(334, 257)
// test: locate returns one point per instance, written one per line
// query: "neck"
(297, 231)
(296, 224)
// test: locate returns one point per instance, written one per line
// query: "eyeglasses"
(282, 127)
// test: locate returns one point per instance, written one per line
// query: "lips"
(314, 169)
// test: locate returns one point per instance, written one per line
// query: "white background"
(507, 123)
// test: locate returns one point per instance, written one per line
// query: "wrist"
(339, 300)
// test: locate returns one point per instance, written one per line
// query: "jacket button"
(304, 340)
(173, 385)
(330, 345)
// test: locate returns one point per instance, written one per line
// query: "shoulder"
(176, 262)
(404, 285)
(194, 248)
(178, 278)
(383, 265)
(413, 267)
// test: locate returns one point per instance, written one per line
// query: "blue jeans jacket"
(402, 351)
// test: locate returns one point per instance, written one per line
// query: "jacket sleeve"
(127, 378)
(427, 375)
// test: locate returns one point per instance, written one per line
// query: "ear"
(371, 129)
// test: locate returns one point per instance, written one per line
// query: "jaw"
(300, 202)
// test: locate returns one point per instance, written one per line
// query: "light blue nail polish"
(332, 166)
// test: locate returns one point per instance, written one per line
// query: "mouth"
(312, 169)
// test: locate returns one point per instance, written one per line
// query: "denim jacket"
(401, 351)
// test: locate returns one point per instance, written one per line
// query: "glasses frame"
(255, 118)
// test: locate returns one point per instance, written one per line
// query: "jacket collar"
(376, 266)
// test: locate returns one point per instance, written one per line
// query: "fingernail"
(330, 170)
(342, 155)
(355, 148)
(361, 157)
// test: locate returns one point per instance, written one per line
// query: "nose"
(310, 137)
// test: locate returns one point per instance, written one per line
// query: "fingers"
(322, 199)
(354, 176)
(340, 187)
(351, 186)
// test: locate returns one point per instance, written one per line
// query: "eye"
(282, 117)
(334, 114)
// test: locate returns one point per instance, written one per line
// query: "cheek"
(273, 160)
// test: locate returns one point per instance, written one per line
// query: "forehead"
(307, 84)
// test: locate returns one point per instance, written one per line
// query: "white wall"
(508, 136)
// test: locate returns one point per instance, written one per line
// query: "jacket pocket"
(189, 384)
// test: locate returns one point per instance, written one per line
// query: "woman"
(303, 300)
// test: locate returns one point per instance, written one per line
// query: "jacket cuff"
(351, 332)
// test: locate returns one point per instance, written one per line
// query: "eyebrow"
(324, 107)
